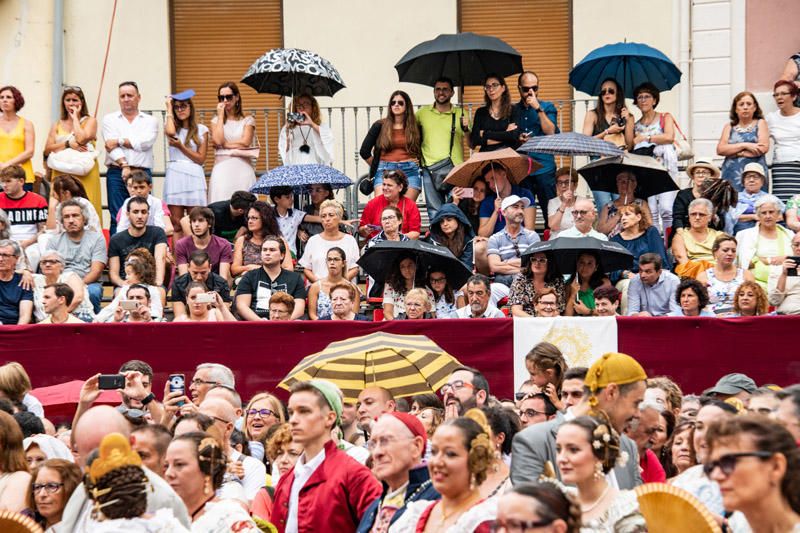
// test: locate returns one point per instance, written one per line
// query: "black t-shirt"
(259, 285)
(215, 283)
(225, 225)
(122, 243)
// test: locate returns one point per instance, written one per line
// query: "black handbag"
(440, 169)
(367, 185)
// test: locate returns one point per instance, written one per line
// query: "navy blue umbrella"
(300, 178)
(630, 64)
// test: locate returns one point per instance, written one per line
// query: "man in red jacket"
(327, 490)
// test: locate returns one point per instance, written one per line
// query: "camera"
(295, 117)
(793, 271)
(620, 121)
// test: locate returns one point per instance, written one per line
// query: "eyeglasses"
(224, 97)
(197, 382)
(381, 442)
(388, 218)
(46, 262)
(455, 385)
(518, 526)
(776, 95)
(438, 280)
(699, 215)
(50, 488)
(608, 91)
(398, 102)
(581, 213)
(563, 183)
(180, 107)
(131, 413)
(263, 413)
(540, 260)
(218, 419)
(727, 463)
(530, 413)
(527, 88)
(7, 256)
(490, 86)
(644, 96)
(547, 304)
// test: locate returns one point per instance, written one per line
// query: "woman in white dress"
(587, 450)
(185, 179)
(306, 141)
(233, 134)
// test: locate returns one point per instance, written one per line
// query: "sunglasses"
(727, 463)
(73, 88)
(608, 91)
(529, 88)
(224, 97)
(398, 102)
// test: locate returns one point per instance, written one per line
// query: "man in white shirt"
(255, 473)
(585, 214)
(478, 294)
(129, 138)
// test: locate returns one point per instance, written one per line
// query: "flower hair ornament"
(602, 438)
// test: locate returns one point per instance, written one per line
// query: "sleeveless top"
(12, 144)
(600, 125)
(733, 166)
(698, 250)
(720, 293)
(324, 305)
(665, 153)
(251, 253)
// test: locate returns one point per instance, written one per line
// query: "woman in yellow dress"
(76, 130)
(16, 134)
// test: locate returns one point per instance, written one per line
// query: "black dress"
(493, 129)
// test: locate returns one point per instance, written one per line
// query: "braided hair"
(121, 493)
(211, 457)
(478, 445)
(552, 503)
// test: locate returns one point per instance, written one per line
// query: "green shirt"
(436, 134)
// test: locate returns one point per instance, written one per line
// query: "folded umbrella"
(630, 64)
(300, 178)
(403, 364)
(651, 176)
(569, 144)
(566, 250)
(377, 261)
(290, 71)
(517, 167)
(466, 58)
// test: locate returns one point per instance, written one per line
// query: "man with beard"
(642, 432)
(506, 246)
(615, 386)
(479, 293)
(83, 250)
(466, 388)
(138, 235)
(201, 223)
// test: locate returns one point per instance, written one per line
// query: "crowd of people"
(569, 452)
(216, 252)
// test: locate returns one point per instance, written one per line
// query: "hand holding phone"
(177, 383)
(467, 192)
(129, 305)
(111, 381)
(793, 271)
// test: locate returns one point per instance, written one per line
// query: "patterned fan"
(667, 509)
(17, 523)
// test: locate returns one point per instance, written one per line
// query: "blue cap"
(185, 95)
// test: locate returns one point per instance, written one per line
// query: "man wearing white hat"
(505, 247)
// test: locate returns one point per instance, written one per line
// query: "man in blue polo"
(536, 118)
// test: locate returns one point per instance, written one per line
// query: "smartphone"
(793, 271)
(177, 383)
(468, 192)
(129, 305)
(111, 381)
(205, 298)
(374, 227)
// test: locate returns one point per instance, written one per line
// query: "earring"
(207, 487)
(598, 471)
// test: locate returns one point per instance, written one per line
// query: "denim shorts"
(410, 168)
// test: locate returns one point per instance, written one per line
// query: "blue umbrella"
(300, 178)
(569, 144)
(631, 64)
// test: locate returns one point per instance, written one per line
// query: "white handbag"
(70, 161)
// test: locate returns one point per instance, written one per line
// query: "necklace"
(588, 508)
(304, 148)
(202, 506)
(498, 487)
(447, 516)
(422, 487)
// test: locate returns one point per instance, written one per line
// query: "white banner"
(581, 339)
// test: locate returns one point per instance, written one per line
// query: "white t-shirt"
(317, 248)
(786, 133)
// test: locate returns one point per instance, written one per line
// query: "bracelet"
(149, 398)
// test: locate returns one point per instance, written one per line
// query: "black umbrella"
(377, 261)
(290, 71)
(651, 176)
(466, 58)
(565, 251)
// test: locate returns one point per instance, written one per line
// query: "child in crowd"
(140, 184)
(547, 366)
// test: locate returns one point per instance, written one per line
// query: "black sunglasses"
(727, 463)
(527, 89)
(398, 102)
(608, 91)
(223, 97)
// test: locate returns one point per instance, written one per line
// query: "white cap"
(508, 201)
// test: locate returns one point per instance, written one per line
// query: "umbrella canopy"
(377, 261)
(566, 250)
(300, 178)
(631, 64)
(569, 144)
(404, 364)
(466, 58)
(517, 166)
(290, 71)
(651, 176)
(61, 400)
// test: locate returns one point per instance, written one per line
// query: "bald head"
(95, 424)
(229, 396)
(222, 412)
(584, 222)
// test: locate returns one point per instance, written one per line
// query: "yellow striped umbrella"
(403, 364)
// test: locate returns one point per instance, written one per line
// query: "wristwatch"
(149, 398)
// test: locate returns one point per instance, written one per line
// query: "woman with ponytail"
(461, 455)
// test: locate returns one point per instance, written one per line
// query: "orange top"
(398, 151)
